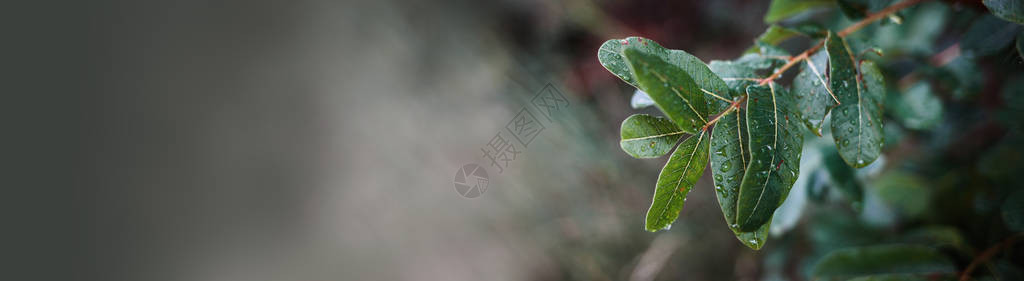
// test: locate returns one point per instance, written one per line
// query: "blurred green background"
(317, 140)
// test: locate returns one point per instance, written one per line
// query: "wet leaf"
(645, 136)
(988, 35)
(782, 9)
(775, 146)
(791, 210)
(728, 161)
(1011, 10)
(857, 121)
(813, 96)
(882, 259)
(676, 180)
(611, 57)
(670, 87)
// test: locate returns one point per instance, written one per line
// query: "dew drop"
(735, 225)
(720, 151)
(753, 242)
(846, 142)
(718, 178)
(860, 161)
(726, 167)
(849, 130)
(652, 144)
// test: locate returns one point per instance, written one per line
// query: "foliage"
(852, 100)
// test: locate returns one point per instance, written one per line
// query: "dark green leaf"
(853, 9)
(1013, 211)
(612, 58)
(967, 77)
(782, 9)
(813, 96)
(670, 87)
(1020, 45)
(843, 177)
(773, 36)
(728, 161)
(775, 146)
(884, 259)
(988, 35)
(918, 108)
(906, 193)
(1011, 10)
(857, 120)
(745, 71)
(791, 210)
(645, 136)
(937, 236)
(678, 176)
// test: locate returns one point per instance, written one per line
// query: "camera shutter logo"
(471, 181)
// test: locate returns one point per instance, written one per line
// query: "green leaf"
(612, 58)
(1011, 10)
(728, 161)
(987, 35)
(774, 35)
(813, 96)
(645, 136)
(782, 9)
(907, 194)
(670, 87)
(857, 120)
(918, 108)
(775, 146)
(640, 100)
(790, 212)
(853, 9)
(678, 176)
(1020, 45)
(1013, 211)
(882, 259)
(744, 71)
(937, 236)
(843, 178)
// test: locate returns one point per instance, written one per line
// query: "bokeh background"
(318, 140)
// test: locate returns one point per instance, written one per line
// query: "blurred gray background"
(318, 140)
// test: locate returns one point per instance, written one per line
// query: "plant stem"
(802, 56)
(987, 254)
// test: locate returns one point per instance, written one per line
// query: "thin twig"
(987, 254)
(805, 54)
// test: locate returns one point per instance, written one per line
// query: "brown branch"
(987, 254)
(805, 54)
